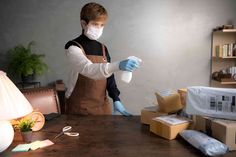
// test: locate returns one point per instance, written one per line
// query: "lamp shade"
(13, 104)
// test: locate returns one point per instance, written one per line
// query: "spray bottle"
(126, 76)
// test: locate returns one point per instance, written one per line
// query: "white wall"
(173, 38)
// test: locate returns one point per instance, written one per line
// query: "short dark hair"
(93, 11)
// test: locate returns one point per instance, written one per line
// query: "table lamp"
(13, 105)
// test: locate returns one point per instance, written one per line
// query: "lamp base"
(6, 135)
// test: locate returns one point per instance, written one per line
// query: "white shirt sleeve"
(84, 66)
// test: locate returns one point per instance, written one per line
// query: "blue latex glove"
(118, 106)
(128, 65)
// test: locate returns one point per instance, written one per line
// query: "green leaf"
(25, 124)
(24, 62)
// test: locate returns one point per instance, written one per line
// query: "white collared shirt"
(80, 64)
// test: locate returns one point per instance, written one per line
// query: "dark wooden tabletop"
(106, 136)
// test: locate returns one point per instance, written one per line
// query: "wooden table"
(106, 136)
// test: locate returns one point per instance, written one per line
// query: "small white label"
(172, 120)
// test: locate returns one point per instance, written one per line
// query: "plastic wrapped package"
(207, 145)
(212, 102)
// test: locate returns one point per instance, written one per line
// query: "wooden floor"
(106, 136)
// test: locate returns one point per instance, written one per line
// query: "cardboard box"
(183, 95)
(150, 112)
(169, 101)
(168, 126)
(223, 130)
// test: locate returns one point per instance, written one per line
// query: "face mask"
(92, 32)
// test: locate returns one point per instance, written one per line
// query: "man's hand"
(118, 106)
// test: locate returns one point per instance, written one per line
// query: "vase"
(27, 136)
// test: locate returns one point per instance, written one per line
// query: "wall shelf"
(223, 84)
(224, 57)
(226, 30)
(228, 82)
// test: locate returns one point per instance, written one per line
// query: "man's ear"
(83, 24)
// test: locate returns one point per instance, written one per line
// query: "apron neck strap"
(103, 49)
(79, 46)
(104, 52)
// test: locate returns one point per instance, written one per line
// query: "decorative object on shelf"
(13, 105)
(227, 26)
(234, 76)
(25, 126)
(219, 75)
(25, 63)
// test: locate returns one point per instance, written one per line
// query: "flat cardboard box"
(150, 112)
(168, 126)
(221, 129)
(169, 101)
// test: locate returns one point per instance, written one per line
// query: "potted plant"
(25, 127)
(25, 63)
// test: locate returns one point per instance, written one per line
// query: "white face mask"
(93, 32)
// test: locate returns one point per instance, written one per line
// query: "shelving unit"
(222, 37)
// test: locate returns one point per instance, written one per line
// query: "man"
(92, 74)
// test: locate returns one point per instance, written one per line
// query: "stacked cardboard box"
(223, 130)
(150, 112)
(161, 123)
(206, 102)
(169, 101)
(168, 126)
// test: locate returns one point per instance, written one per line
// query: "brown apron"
(89, 96)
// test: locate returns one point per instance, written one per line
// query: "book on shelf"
(234, 49)
(226, 50)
